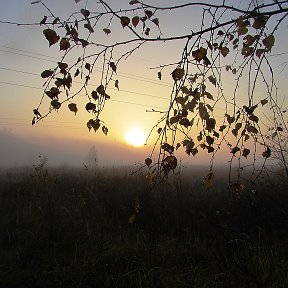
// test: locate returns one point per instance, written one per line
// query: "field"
(70, 228)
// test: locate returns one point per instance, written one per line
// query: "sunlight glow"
(136, 137)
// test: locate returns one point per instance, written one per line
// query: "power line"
(126, 91)
(112, 100)
(122, 74)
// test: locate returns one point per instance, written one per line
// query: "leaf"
(88, 66)
(169, 163)
(245, 152)
(94, 95)
(259, 22)
(280, 129)
(209, 140)
(167, 147)
(117, 84)
(47, 73)
(85, 12)
(105, 130)
(89, 27)
(174, 119)
(43, 21)
(235, 150)
(64, 44)
(83, 42)
(37, 113)
(148, 13)
(133, 2)
(135, 21)
(212, 80)
(125, 21)
(178, 74)
(222, 128)
(147, 31)
(113, 66)
(77, 73)
(224, 51)
(210, 124)
(90, 106)
(259, 52)
(267, 153)
(254, 118)
(73, 107)
(100, 89)
(55, 104)
(51, 36)
(53, 93)
(95, 124)
(269, 42)
(155, 21)
(159, 74)
(107, 31)
(77, 1)
(203, 113)
(252, 129)
(199, 54)
(148, 161)
(33, 121)
(185, 122)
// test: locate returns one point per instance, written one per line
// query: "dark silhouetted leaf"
(101, 90)
(132, 2)
(89, 27)
(178, 74)
(224, 51)
(269, 42)
(64, 44)
(113, 66)
(169, 163)
(43, 21)
(259, 22)
(212, 80)
(88, 66)
(148, 161)
(159, 75)
(117, 84)
(245, 152)
(252, 129)
(77, 73)
(55, 104)
(47, 73)
(125, 21)
(51, 36)
(135, 21)
(155, 21)
(267, 153)
(105, 130)
(264, 102)
(85, 12)
(167, 147)
(148, 13)
(90, 106)
(107, 31)
(235, 150)
(73, 107)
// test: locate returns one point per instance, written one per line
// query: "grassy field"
(70, 228)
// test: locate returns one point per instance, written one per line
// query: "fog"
(19, 151)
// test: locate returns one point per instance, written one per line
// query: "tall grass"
(70, 228)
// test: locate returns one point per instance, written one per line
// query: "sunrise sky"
(63, 137)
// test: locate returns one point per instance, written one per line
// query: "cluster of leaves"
(242, 42)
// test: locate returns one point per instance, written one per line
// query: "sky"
(63, 137)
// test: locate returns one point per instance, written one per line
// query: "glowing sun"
(135, 137)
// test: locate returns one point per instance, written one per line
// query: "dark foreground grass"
(69, 228)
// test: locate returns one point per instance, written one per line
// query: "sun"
(136, 137)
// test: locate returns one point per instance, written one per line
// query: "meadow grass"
(70, 228)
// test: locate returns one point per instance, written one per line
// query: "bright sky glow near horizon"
(63, 137)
